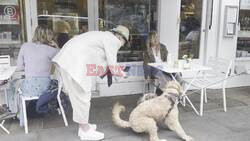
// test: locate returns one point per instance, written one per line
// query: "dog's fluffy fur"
(155, 109)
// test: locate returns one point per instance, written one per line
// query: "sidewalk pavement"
(215, 125)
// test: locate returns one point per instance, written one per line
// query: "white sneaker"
(92, 126)
(91, 134)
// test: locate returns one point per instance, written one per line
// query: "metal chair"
(5, 63)
(60, 87)
(24, 99)
(4, 115)
(219, 74)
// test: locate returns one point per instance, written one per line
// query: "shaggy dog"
(145, 116)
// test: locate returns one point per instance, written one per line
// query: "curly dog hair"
(145, 116)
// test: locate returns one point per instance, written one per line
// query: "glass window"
(11, 27)
(243, 44)
(139, 16)
(66, 17)
(190, 28)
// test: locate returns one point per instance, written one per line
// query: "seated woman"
(156, 52)
(35, 59)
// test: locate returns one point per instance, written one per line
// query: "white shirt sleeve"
(111, 47)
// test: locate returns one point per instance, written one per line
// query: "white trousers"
(80, 99)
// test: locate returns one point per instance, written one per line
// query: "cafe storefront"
(186, 27)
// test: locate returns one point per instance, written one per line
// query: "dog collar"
(174, 97)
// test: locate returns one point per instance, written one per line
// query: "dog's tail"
(117, 109)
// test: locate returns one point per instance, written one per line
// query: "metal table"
(171, 69)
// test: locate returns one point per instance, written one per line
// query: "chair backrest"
(4, 61)
(220, 67)
(58, 75)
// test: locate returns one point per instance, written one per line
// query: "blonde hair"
(43, 35)
(152, 39)
(62, 26)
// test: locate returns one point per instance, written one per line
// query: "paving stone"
(214, 125)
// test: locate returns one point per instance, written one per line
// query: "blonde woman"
(156, 52)
(34, 59)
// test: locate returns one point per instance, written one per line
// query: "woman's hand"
(53, 44)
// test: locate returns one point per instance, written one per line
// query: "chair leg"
(184, 98)
(224, 99)
(205, 94)
(61, 107)
(201, 102)
(184, 101)
(1, 125)
(148, 85)
(145, 87)
(25, 116)
(155, 90)
(6, 97)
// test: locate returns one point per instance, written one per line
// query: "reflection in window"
(66, 17)
(139, 16)
(12, 27)
(243, 43)
(190, 28)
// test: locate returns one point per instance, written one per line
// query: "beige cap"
(122, 30)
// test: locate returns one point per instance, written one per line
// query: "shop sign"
(9, 13)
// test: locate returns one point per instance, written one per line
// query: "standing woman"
(35, 59)
(77, 62)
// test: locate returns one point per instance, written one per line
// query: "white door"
(182, 27)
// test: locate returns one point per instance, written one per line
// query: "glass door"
(243, 43)
(140, 16)
(67, 18)
(190, 28)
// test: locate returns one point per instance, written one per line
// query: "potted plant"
(188, 59)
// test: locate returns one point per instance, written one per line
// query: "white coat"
(95, 47)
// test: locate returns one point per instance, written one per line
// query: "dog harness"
(175, 99)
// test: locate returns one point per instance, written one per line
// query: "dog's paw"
(188, 138)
